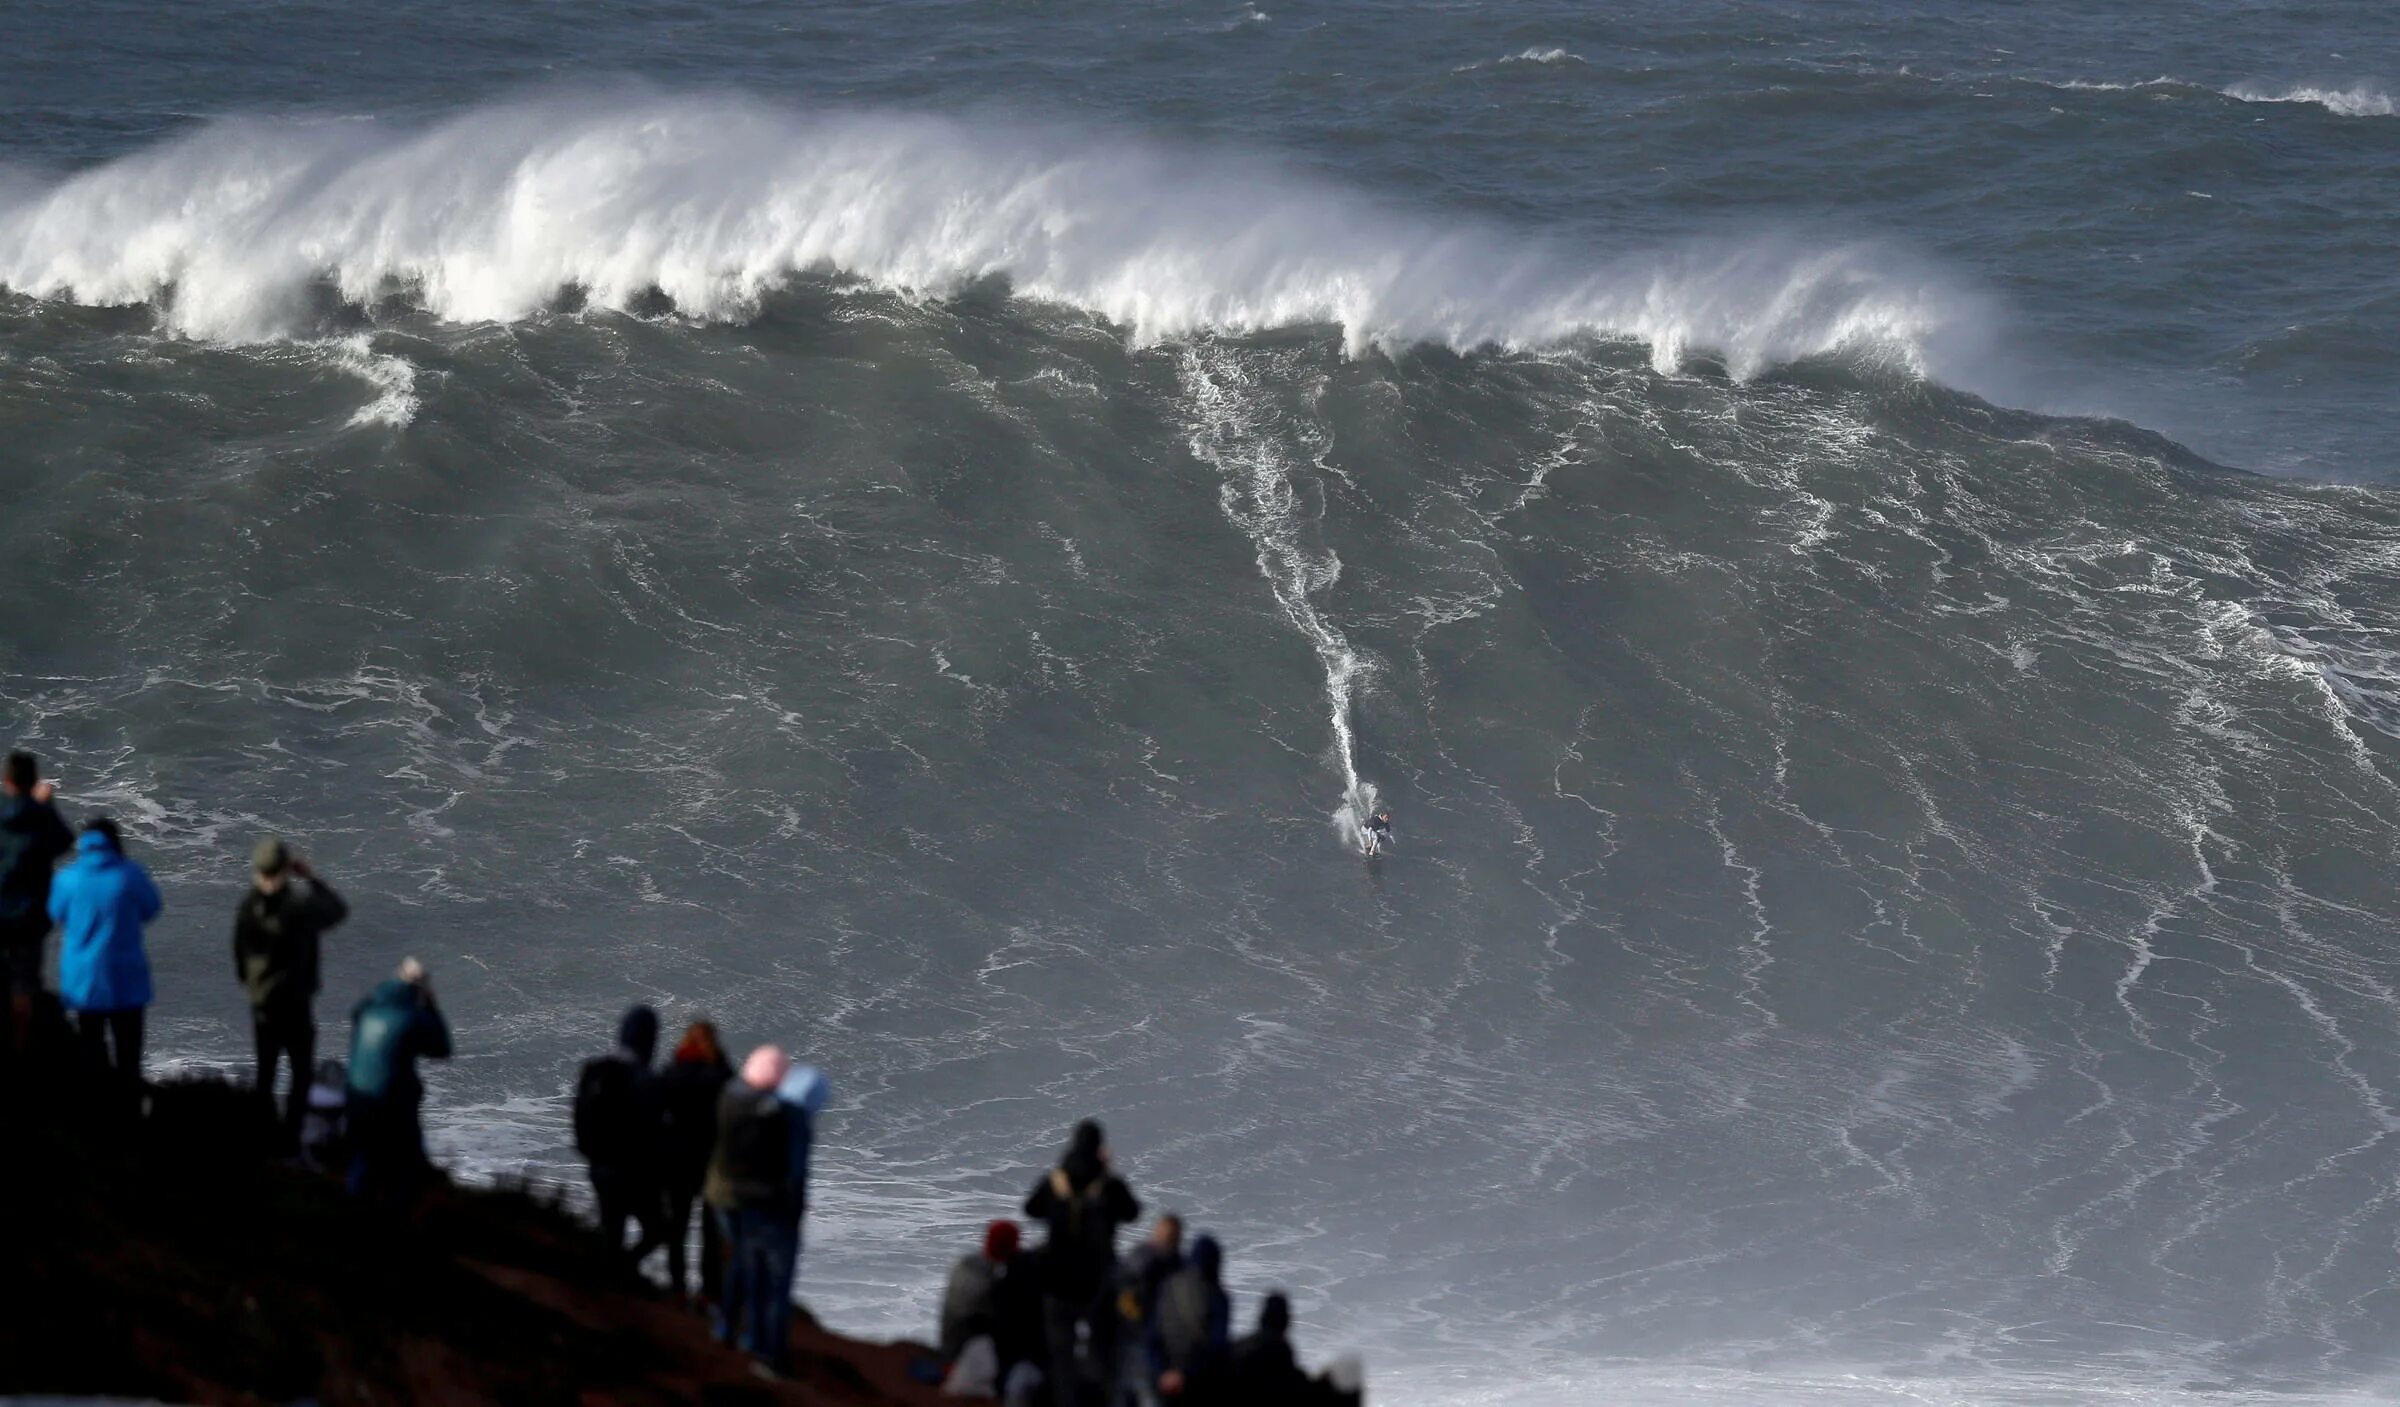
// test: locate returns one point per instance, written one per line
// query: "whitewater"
(1859, 547)
(712, 203)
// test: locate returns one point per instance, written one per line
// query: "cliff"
(170, 1257)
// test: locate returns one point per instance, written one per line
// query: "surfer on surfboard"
(1377, 831)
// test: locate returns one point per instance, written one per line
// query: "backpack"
(608, 1111)
(1082, 1223)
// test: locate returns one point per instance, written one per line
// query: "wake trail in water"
(495, 214)
(1232, 430)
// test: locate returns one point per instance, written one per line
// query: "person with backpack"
(688, 1090)
(33, 838)
(1083, 1204)
(618, 1131)
(757, 1190)
(394, 1027)
(101, 903)
(1190, 1328)
(276, 938)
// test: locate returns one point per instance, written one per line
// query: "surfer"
(1378, 831)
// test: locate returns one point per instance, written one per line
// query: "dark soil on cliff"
(171, 1256)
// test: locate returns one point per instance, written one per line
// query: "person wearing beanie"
(688, 1090)
(1083, 1204)
(276, 941)
(970, 1308)
(618, 1131)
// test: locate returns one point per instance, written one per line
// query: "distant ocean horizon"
(1859, 547)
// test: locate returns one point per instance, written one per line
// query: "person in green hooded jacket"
(277, 932)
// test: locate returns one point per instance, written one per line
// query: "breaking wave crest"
(715, 200)
(2357, 100)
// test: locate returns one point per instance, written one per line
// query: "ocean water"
(1859, 545)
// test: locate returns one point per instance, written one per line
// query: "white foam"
(715, 200)
(392, 377)
(1543, 56)
(2079, 85)
(2357, 100)
(1230, 431)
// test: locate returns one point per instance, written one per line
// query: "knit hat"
(270, 856)
(1000, 1240)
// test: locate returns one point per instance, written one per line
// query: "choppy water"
(910, 532)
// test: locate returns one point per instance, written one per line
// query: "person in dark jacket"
(1146, 1268)
(748, 1191)
(1190, 1328)
(101, 903)
(1083, 1204)
(1261, 1370)
(397, 1024)
(33, 838)
(688, 1091)
(971, 1296)
(276, 934)
(618, 1130)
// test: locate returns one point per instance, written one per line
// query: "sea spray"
(715, 200)
(1232, 429)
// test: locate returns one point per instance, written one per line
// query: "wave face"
(714, 202)
(1853, 844)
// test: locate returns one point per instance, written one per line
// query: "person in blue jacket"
(100, 903)
(394, 1027)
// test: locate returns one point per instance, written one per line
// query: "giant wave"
(715, 200)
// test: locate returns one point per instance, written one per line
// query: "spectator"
(1023, 1349)
(1189, 1328)
(101, 902)
(1343, 1383)
(275, 948)
(688, 1092)
(1137, 1298)
(324, 1129)
(618, 1130)
(971, 1298)
(802, 1091)
(33, 838)
(398, 1024)
(1262, 1370)
(1083, 1204)
(748, 1191)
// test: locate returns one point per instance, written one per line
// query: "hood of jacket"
(638, 1032)
(1082, 1163)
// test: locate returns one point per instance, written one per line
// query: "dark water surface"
(911, 530)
